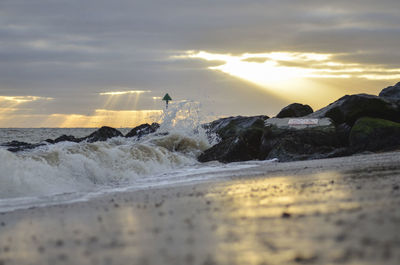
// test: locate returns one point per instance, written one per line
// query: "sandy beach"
(332, 211)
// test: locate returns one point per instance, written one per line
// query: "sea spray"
(184, 116)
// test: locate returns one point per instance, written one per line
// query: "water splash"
(186, 117)
(71, 167)
(182, 115)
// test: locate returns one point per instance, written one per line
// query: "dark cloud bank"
(76, 49)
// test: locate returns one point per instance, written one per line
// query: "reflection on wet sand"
(324, 218)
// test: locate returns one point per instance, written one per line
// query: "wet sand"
(331, 211)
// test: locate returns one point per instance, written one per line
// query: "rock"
(65, 138)
(17, 146)
(102, 134)
(348, 109)
(232, 126)
(293, 124)
(14, 144)
(286, 142)
(343, 133)
(391, 92)
(276, 138)
(371, 134)
(143, 129)
(243, 146)
(295, 110)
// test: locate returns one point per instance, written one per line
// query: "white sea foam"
(68, 171)
(71, 166)
(68, 167)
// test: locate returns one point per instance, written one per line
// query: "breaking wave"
(80, 167)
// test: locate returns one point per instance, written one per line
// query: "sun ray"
(293, 76)
(126, 92)
(113, 118)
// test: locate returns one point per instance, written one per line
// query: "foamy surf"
(186, 175)
(67, 171)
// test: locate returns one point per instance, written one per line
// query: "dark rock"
(391, 92)
(306, 259)
(371, 134)
(348, 109)
(301, 145)
(325, 133)
(286, 215)
(343, 133)
(17, 146)
(275, 138)
(232, 126)
(143, 129)
(300, 142)
(66, 138)
(241, 147)
(240, 139)
(295, 110)
(102, 134)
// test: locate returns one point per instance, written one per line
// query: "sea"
(68, 172)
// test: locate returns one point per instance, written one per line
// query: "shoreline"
(258, 169)
(329, 211)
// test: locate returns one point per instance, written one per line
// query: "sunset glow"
(293, 76)
(103, 117)
(269, 69)
(15, 111)
(100, 117)
(22, 99)
(117, 93)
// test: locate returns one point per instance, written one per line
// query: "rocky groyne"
(350, 125)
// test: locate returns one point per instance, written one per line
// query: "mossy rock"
(350, 108)
(372, 134)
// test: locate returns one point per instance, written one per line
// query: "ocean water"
(67, 172)
(37, 135)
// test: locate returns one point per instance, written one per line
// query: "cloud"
(73, 50)
(126, 92)
(283, 73)
(22, 99)
(289, 65)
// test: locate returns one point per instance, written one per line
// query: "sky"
(74, 63)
